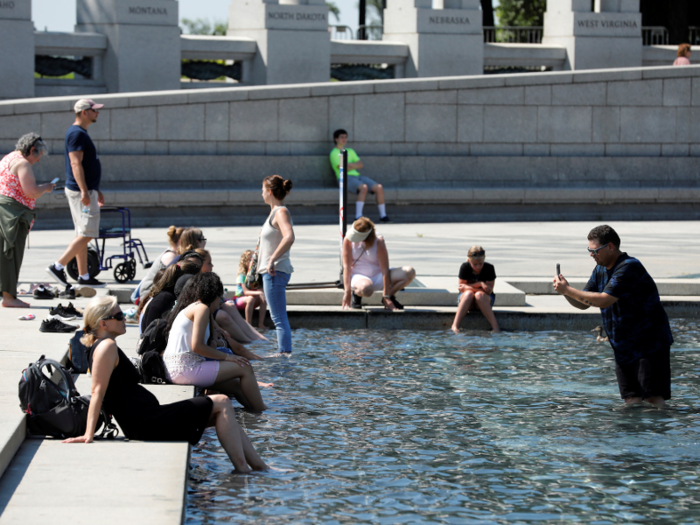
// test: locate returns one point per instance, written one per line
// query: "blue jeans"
(275, 294)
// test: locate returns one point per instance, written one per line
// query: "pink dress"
(9, 183)
(681, 61)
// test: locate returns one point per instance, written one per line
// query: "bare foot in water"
(265, 385)
(13, 302)
(455, 329)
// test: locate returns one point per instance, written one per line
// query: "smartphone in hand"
(55, 180)
(558, 270)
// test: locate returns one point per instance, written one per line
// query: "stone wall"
(555, 132)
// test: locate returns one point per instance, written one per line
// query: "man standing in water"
(633, 317)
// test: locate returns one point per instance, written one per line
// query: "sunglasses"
(117, 317)
(595, 251)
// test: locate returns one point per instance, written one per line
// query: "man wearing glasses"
(633, 316)
(83, 174)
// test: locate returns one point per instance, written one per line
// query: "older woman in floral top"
(18, 193)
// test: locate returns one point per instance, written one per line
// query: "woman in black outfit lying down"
(138, 412)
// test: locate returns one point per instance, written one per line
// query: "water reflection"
(428, 427)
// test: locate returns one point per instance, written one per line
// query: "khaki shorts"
(86, 225)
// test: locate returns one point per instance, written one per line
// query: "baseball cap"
(86, 103)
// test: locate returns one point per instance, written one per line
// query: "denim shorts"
(354, 182)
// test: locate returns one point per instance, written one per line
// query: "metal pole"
(343, 198)
(362, 30)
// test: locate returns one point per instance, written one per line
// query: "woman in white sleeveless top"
(366, 268)
(276, 238)
(190, 359)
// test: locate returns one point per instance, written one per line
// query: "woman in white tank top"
(189, 359)
(366, 268)
(276, 239)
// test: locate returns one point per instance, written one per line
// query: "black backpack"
(152, 338)
(54, 406)
(152, 368)
(78, 354)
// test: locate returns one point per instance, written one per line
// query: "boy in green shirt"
(356, 183)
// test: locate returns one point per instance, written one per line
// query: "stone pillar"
(444, 39)
(609, 37)
(143, 42)
(293, 42)
(16, 49)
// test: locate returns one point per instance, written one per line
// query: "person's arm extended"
(347, 273)
(284, 225)
(583, 298)
(26, 179)
(199, 329)
(104, 361)
(76, 166)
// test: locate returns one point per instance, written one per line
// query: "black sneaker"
(58, 275)
(385, 219)
(72, 310)
(61, 313)
(54, 325)
(356, 302)
(396, 303)
(41, 292)
(69, 293)
(91, 282)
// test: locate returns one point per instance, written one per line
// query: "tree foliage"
(202, 26)
(521, 12)
(334, 10)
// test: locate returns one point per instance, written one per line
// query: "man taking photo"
(633, 317)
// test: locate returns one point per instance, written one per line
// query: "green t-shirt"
(335, 162)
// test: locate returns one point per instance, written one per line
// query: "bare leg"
(248, 383)
(401, 278)
(249, 308)
(223, 319)
(10, 301)
(362, 193)
(232, 388)
(483, 301)
(465, 303)
(78, 249)
(233, 438)
(363, 288)
(378, 190)
(248, 331)
(262, 312)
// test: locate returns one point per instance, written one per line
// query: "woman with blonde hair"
(476, 281)
(366, 268)
(227, 315)
(683, 53)
(245, 298)
(115, 383)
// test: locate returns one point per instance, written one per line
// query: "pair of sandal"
(395, 302)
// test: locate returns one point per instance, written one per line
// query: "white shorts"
(377, 280)
(87, 225)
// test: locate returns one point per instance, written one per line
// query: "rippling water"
(429, 427)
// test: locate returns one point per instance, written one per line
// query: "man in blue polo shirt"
(83, 175)
(633, 316)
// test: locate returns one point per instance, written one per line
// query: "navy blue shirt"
(636, 323)
(77, 139)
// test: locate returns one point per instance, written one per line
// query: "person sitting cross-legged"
(476, 281)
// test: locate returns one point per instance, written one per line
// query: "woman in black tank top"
(115, 384)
